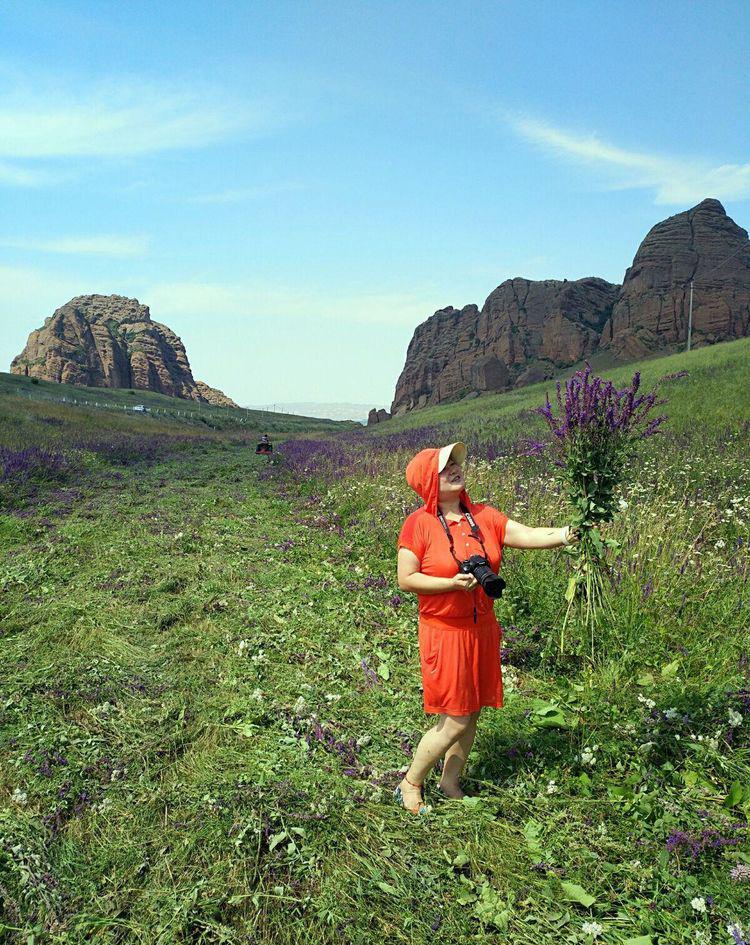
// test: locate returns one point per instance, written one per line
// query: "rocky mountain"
(703, 245)
(527, 331)
(111, 341)
(524, 332)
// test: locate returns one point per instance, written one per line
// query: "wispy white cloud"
(276, 301)
(12, 175)
(241, 195)
(85, 245)
(124, 117)
(674, 180)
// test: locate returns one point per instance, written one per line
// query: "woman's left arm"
(522, 536)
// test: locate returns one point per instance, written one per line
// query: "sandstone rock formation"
(213, 396)
(702, 244)
(528, 331)
(377, 416)
(111, 341)
(523, 333)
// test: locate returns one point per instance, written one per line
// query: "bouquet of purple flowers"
(595, 432)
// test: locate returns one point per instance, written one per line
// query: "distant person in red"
(459, 636)
(265, 445)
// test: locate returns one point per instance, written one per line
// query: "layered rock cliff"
(528, 331)
(111, 341)
(523, 333)
(703, 245)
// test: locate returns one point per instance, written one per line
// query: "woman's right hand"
(464, 582)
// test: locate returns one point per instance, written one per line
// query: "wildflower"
(552, 787)
(720, 543)
(735, 718)
(671, 714)
(299, 706)
(587, 755)
(593, 929)
(243, 647)
(257, 695)
(737, 933)
(649, 703)
(20, 797)
(699, 904)
(740, 873)
(622, 504)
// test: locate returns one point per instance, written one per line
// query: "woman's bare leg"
(455, 759)
(433, 745)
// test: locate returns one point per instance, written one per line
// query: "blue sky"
(293, 186)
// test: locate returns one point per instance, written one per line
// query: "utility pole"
(690, 316)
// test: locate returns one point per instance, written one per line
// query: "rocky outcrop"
(377, 416)
(213, 396)
(524, 332)
(111, 341)
(529, 331)
(703, 245)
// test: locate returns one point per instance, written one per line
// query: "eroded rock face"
(524, 332)
(702, 244)
(213, 396)
(110, 341)
(377, 416)
(528, 331)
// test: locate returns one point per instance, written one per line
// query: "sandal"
(399, 797)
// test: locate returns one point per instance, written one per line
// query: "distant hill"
(340, 411)
(111, 341)
(528, 331)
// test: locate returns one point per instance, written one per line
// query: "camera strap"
(476, 533)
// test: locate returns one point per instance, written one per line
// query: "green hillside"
(717, 388)
(109, 410)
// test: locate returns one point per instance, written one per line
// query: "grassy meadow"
(209, 685)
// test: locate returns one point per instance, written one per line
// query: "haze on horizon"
(293, 189)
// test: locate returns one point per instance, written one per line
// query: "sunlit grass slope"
(718, 388)
(173, 410)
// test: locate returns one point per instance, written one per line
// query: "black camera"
(491, 584)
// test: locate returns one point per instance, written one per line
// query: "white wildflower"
(20, 797)
(299, 706)
(649, 703)
(734, 928)
(588, 756)
(332, 697)
(699, 904)
(257, 695)
(243, 647)
(592, 928)
(622, 504)
(735, 718)
(671, 713)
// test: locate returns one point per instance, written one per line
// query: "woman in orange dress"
(459, 636)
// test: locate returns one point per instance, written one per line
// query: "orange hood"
(422, 475)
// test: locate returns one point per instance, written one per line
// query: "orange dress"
(460, 658)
